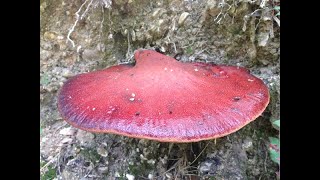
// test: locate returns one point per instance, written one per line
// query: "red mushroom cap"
(163, 99)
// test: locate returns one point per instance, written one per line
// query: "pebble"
(102, 151)
(130, 177)
(150, 176)
(247, 144)
(182, 18)
(66, 140)
(103, 169)
(68, 131)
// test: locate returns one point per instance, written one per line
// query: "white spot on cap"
(171, 70)
(165, 68)
(133, 95)
(196, 69)
(93, 109)
(70, 97)
(131, 99)
(250, 80)
(127, 89)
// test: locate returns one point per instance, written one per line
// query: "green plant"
(274, 146)
(44, 80)
(274, 149)
(277, 9)
(189, 50)
(49, 174)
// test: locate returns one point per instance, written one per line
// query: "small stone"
(102, 151)
(151, 161)
(212, 8)
(209, 166)
(66, 140)
(264, 61)
(205, 167)
(247, 144)
(263, 38)
(156, 12)
(169, 175)
(130, 177)
(103, 169)
(49, 35)
(182, 18)
(69, 175)
(116, 174)
(150, 176)
(68, 131)
(66, 73)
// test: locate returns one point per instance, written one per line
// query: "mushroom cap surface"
(160, 98)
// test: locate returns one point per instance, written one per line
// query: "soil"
(107, 33)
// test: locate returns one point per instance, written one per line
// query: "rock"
(102, 151)
(84, 137)
(117, 174)
(69, 175)
(49, 36)
(263, 38)
(213, 8)
(66, 73)
(247, 144)
(209, 166)
(66, 140)
(103, 169)
(68, 131)
(169, 175)
(182, 18)
(150, 176)
(157, 12)
(130, 177)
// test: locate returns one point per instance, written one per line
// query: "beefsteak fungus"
(162, 99)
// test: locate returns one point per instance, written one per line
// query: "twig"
(199, 154)
(129, 47)
(265, 161)
(48, 163)
(277, 20)
(101, 25)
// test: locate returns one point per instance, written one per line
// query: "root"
(78, 17)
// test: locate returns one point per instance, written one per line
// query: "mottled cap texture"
(160, 98)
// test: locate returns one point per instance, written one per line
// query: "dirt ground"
(86, 35)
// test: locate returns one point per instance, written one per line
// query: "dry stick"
(199, 154)
(277, 20)
(101, 25)
(128, 56)
(265, 161)
(171, 32)
(48, 163)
